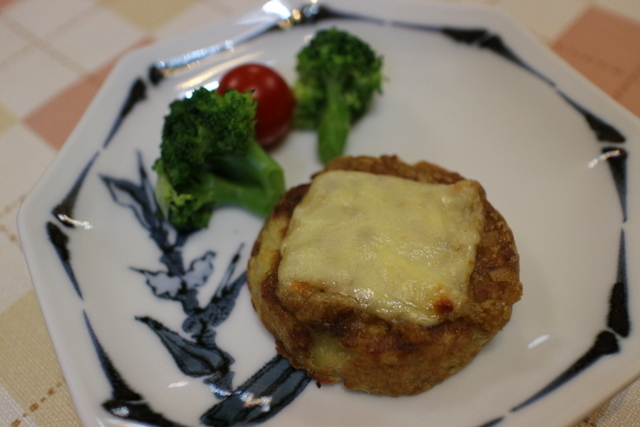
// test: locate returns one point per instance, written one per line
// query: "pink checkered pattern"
(54, 57)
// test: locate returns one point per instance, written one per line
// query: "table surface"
(54, 56)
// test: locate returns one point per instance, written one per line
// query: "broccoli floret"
(338, 75)
(209, 157)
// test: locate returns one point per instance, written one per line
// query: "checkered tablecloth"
(54, 56)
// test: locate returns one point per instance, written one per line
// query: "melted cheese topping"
(395, 247)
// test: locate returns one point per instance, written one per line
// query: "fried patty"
(334, 341)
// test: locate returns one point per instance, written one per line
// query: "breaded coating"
(336, 342)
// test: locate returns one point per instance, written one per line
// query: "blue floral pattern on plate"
(194, 348)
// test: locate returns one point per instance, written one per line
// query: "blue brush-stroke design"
(168, 285)
(120, 389)
(606, 342)
(180, 284)
(277, 376)
(64, 210)
(60, 242)
(618, 319)
(137, 93)
(63, 213)
(193, 358)
(485, 39)
(141, 200)
(482, 38)
(197, 355)
(200, 357)
(275, 386)
(493, 423)
(604, 131)
(618, 165)
(125, 402)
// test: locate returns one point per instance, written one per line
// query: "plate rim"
(29, 240)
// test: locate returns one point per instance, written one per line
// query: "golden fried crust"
(335, 342)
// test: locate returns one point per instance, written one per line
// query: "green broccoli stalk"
(338, 75)
(209, 157)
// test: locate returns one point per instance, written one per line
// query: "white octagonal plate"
(154, 327)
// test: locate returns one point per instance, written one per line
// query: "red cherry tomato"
(274, 97)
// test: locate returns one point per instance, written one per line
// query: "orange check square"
(605, 47)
